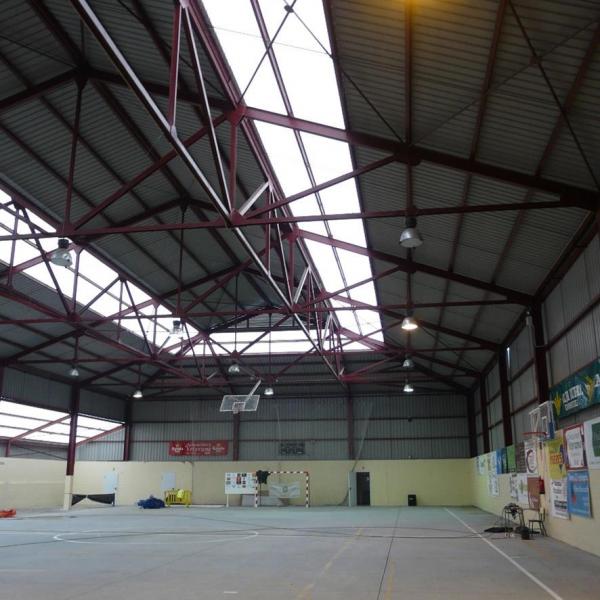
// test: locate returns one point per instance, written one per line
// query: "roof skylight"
(310, 86)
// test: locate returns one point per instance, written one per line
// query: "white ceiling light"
(234, 369)
(61, 256)
(177, 329)
(138, 394)
(409, 323)
(410, 236)
(408, 388)
(73, 372)
(269, 391)
(408, 362)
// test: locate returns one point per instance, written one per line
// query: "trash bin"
(412, 499)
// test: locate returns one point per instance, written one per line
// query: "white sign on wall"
(575, 452)
(240, 483)
(591, 431)
(531, 457)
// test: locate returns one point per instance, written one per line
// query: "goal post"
(304, 485)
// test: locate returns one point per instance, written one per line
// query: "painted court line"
(523, 570)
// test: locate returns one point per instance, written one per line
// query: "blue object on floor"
(151, 502)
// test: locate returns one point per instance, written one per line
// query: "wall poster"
(558, 498)
(522, 492)
(520, 457)
(481, 464)
(556, 457)
(493, 488)
(574, 444)
(533, 492)
(531, 457)
(511, 459)
(578, 493)
(514, 483)
(591, 433)
(240, 483)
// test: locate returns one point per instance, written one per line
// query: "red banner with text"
(203, 448)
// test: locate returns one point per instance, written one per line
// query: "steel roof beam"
(99, 32)
(585, 198)
(413, 266)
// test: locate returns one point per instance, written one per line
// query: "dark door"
(363, 489)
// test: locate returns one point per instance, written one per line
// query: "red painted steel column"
(470, 400)
(128, 427)
(485, 430)
(505, 398)
(539, 354)
(350, 425)
(74, 410)
(236, 438)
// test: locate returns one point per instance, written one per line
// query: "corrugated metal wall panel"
(413, 406)
(554, 320)
(521, 351)
(480, 448)
(521, 423)
(522, 390)
(30, 388)
(495, 411)
(581, 343)
(592, 260)
(98, 405)
(418, 448)
(292, 430)
(559, 361)
(575, 291)
(109, 447)
(493, 381)
(37, 451)
(478, 425)
(314, 450)
(497, 437)
(179, 411)
(153, 432)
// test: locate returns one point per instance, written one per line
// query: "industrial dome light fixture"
(61, 257)
(234, 369)
(408, 362)
(138, 394)
(409, 323)
(410, 236)
(73, 371)
(408, 388)
(269, 391)
(177, 329)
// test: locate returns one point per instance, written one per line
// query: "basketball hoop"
(535, 436)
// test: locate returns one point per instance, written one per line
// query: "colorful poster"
(513, 483)
(493, 488)
(531, 457)
(533, 492)
(501, 466)
(511, 459)
(203, 448)
(558, 498)
(591, 433)
(574, 444)
(520, 457)
(481, 465)
(522, 492)
(240, 483)
(556, 457)
(578, 493)
(577, 392)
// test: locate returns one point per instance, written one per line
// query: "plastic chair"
(541, 516)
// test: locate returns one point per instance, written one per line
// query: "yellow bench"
(178, 497)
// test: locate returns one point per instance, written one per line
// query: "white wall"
(31, 483)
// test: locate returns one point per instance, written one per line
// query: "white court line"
(61, 537)
(523, 570)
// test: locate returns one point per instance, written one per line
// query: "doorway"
(363, 488)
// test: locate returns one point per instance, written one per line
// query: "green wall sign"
(577, 392)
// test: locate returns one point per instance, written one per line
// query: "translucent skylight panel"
(62, 428)
(340, 198)
(328, 158)
(102, 274)
(349, 230)
(10, 432)
(327, 265)
(83, 421)
(356, 267)
(42, 436)
(285, 156)
(30, 411)
(17, 421)
(24, 252)
(238, 34)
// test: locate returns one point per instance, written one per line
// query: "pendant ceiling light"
(61, 257)
(409, 323)
(408, 388)
(177, 329)
(73, 371)
(269, 391)
(138, 394)
(234, 369)
(138, 390)
(408, 362)
(410, 236)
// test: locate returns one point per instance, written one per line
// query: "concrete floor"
(282, 553)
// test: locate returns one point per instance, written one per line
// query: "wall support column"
(236, 438)
(539, 354)
(350, 426)
(74, 411)
(505, 398)
(128, 427)
(485, 429)
(470, 400)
